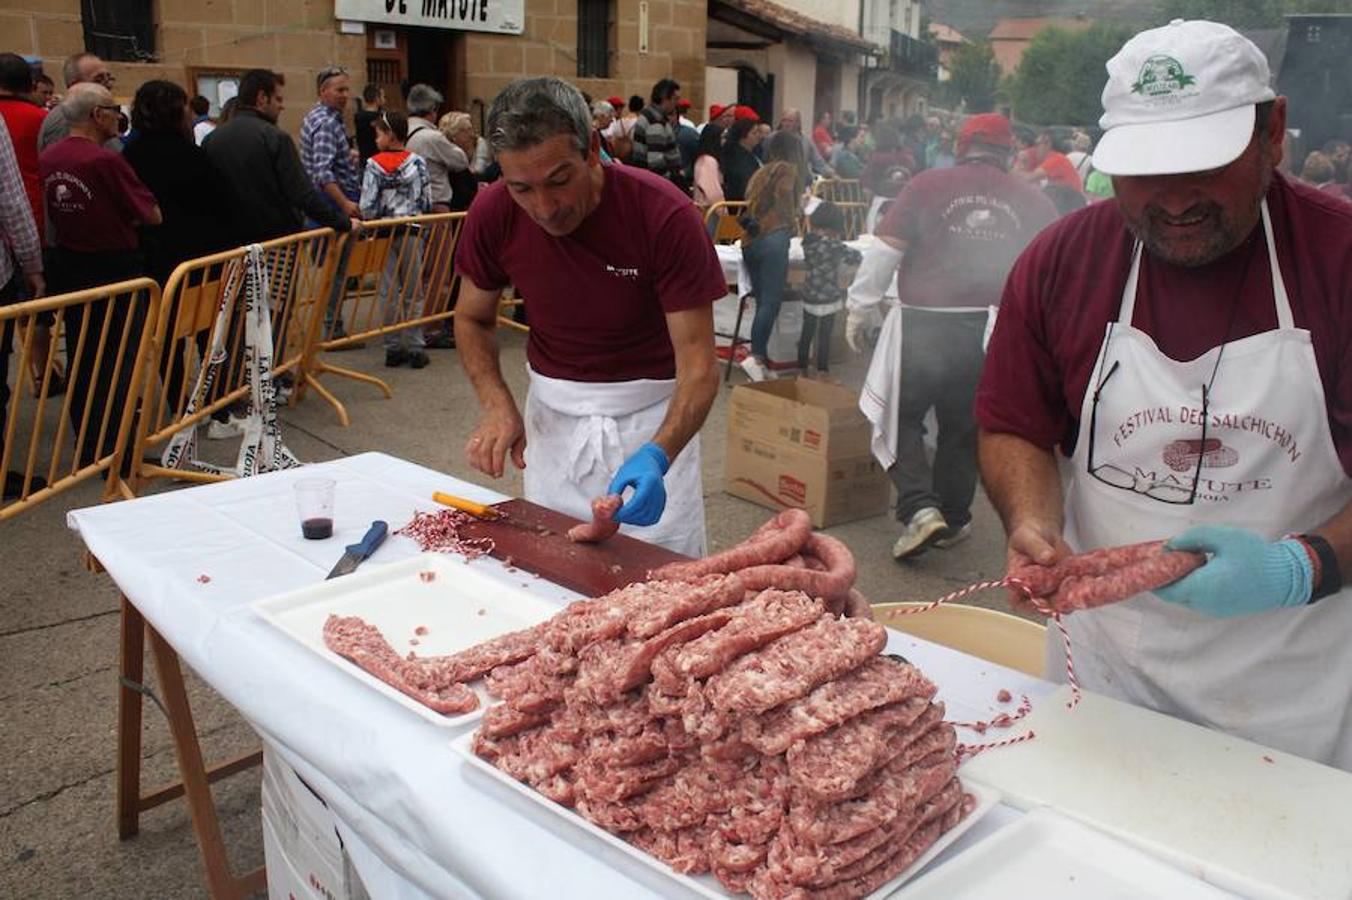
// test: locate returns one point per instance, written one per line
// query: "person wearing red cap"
(951, 237)
(722, 116)
(1174, 365)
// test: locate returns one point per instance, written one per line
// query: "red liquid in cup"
(317, 529)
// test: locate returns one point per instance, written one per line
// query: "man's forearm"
(1021, 480)
(478, 350)
(336, 194)
(696, 388)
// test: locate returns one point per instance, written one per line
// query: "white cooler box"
(304, 854)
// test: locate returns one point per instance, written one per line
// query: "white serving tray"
(707, 885)
(1256, 821)
(1048, 856)
(460, 607)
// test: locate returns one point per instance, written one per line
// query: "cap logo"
(1161, 77)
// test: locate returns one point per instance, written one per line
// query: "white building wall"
(795, 70)
(836, 12)
(849, 88)
(720, 86)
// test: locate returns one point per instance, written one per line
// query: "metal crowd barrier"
(191, 323)
(83, 433)
(394, 274)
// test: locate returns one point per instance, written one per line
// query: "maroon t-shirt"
(94, 199)
(596, 298)
(1068, 285)
(964, 228)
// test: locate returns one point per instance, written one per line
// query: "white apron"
(578, 434)
(1284, 677)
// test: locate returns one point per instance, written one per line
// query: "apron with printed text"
(578, 434)
(1268, 464)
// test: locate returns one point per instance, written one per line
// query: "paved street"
(58, 643)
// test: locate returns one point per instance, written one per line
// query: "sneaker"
(754, 369)
(919, 532)
(417, 359)
(951, 537)
(223, 431)
(395, 358)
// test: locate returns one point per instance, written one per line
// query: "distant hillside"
(976, 18)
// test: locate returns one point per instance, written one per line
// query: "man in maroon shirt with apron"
(619, 279)
(1188, 348)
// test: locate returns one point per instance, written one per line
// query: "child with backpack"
(395, 184)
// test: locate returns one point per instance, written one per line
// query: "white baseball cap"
(1180, 99)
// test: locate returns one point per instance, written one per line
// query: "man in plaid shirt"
(325, 151)
(331, 162)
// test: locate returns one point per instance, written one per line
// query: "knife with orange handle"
(481, 511)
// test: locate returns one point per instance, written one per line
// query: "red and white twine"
(439, 532)
(1004, 720)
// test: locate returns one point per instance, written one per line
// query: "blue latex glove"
(1245, 573)
(643, 472)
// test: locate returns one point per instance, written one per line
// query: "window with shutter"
(119, 30)
(593, 38)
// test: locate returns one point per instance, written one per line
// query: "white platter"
(1051, 857)
(460, 607)
(706, 885)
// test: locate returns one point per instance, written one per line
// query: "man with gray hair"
(82, 68)
(426, 140)
(619, 279)
(94, 203)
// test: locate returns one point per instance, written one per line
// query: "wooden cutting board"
(536, 540)
(1253, 820)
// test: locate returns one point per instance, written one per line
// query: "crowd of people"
(100, 195)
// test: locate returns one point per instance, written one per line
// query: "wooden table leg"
(196, 785)
(131, 668)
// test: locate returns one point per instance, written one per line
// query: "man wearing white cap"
(1197, 371)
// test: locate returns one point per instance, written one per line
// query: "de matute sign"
(498, 16)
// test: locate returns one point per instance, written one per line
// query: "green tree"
(975, 76)
(1235, 13)
(1060, 78)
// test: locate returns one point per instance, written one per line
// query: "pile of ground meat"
(754, 734)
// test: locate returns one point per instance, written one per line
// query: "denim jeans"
(767, 262)
(818, 327)
(941, 361)
(401, 291)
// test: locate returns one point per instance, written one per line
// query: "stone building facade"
(203, 43)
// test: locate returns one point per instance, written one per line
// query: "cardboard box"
(301, 843)
(802, 443)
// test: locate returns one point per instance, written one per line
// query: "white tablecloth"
(416, 820)
(730, 258)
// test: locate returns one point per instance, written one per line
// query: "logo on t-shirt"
(63, 196)
(1162, 77)
(622, 272)
(980, 217)
(1182, 456)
